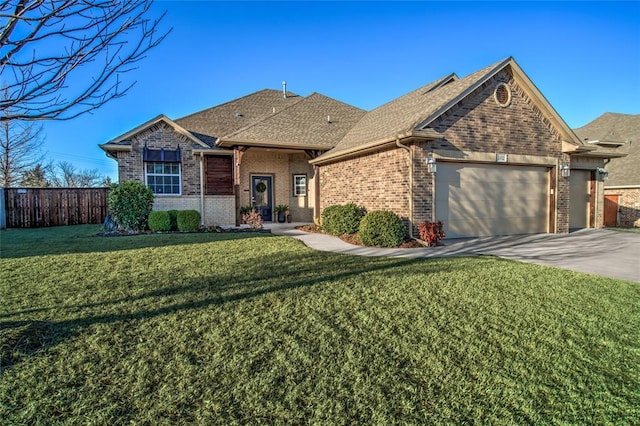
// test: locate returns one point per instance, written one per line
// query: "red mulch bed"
(354, 238)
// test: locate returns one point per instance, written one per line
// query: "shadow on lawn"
(260, 275)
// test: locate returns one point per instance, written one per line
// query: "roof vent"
(284, 89)
(502, 95)
(238, 115)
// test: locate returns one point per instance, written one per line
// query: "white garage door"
(482, 199)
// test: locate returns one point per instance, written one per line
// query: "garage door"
(579, 199)
(481, 199)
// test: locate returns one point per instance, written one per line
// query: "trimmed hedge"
(130, 203)
(159, 221)
(173, 218)
(188, 220)
(342, 219)
(382, 228)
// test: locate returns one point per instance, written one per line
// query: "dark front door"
(262, 196)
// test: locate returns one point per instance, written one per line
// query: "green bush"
(159, 221)
(188, 220)
(342, 219)
(382, 228)
(130, 203)
(173, 219)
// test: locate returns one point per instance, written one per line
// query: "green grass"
(246, 329)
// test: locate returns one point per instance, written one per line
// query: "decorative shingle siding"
(378, 181)
(628, 204)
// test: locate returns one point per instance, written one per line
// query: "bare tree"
(65, 175)
(20, 149)
(62, 58)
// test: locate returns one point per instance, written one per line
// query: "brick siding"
(281, 167)
(378, 181)
(628, 204)
(477, 124)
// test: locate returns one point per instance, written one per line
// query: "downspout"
(202, 188)
(410, 151)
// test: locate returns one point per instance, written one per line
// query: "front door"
(611, 210)
(262, 196)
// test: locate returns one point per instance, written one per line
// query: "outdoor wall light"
(431, 163)
(603, 173)
(565, 171)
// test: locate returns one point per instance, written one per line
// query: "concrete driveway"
(597, 251)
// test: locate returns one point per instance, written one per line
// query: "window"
(299, 185)
(163, 178)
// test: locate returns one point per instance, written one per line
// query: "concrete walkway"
(598, 251)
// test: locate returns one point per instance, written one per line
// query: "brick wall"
(629, 204)
(477, 124)
(219, 210)
(281, 167)
(161, 135)
(378, 181)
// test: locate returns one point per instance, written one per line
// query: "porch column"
(237, 160)
(202, 212)
(316, 194)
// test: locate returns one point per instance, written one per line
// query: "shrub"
(130, 203)
(246, 210)
(432, 233)
(188, 220)
(159, 221)
(253, 219)
(382, 228)
(342, 219)
(173, 219)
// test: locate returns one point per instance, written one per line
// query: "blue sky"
(583, 56)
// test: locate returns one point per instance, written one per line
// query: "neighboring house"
(622, 187)
(486, 154)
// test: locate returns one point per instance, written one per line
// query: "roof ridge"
(234, 100)
(335, 100)
(263, 119)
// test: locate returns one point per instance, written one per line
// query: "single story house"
(622, 188)
(486, 154)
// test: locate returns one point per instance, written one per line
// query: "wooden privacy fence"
(37, 207)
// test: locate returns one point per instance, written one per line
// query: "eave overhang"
(410, 136)
(230, 143)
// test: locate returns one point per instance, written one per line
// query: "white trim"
(146, 175)
(623, 187)
(306, 184)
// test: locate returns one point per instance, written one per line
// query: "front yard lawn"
(255, 329)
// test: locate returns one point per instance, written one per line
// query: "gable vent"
(502, 95)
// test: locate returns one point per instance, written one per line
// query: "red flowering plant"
(432, 233)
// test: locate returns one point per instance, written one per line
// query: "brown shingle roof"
(316, 121)
(403, 114)
(620, 128)
(224, 119)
